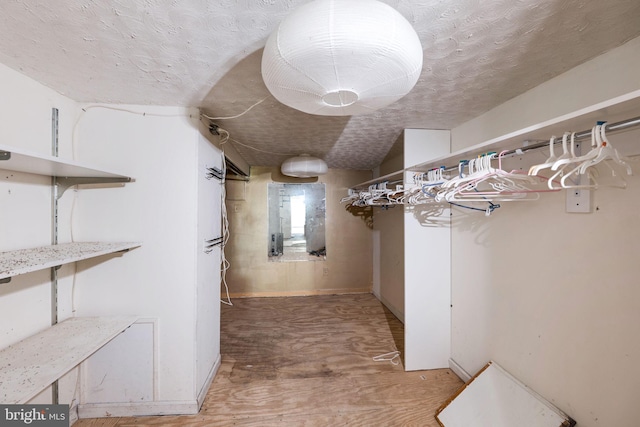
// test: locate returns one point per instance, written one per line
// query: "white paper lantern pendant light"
(303, 166)
(342, 57)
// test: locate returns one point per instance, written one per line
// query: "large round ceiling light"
(303, 166)
(342, 57)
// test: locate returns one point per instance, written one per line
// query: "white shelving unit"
(13, 263)
(65, 172)
(31, 365)
(18, 160)
(616, 109)
(613, 110)
(422, 308)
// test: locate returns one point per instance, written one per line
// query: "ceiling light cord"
(237, 115)
(226, 137)
(215, 129)
(258, 149)
(224, 134)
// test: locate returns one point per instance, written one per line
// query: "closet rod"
(611, 128)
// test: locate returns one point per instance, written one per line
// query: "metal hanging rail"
(610, 128)
(397, 177)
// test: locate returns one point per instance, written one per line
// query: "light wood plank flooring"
(308, 361)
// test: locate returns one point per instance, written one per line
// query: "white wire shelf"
(15, 159)
(31, 365)
(21, 261)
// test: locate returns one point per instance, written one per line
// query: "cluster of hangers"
(481, 180)
(567, 167)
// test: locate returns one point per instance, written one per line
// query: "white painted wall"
(609, 75)
(553, 297)
(207, 307)
(389, 264)
(348, 267)
(160, 209)
(156, 281)
(388, 244)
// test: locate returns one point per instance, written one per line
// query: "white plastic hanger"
(550, 161)
(567, 156)
(579, 160)
(603, 152)
(606, 151)
(503, 186)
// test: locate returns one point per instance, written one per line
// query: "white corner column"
(427, 265)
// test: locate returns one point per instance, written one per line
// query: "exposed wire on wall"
(225, 231)
(106, 107)
(237, 115)
(260, 150)
(225, 137)
(73, 239)
(75, 187)
(214, 128)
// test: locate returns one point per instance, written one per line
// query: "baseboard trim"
(457, 369)
(209, 380)
(117, 409)
(300, 293)
(391, 308)
(104, 410)
(73, 415)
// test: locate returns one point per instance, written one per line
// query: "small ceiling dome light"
(342, 57)
(303, 166)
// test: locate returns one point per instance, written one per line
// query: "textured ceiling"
(207, 54)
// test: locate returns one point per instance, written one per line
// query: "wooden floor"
(308, 361)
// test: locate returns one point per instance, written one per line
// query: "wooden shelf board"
(31, 365)
(39, 164)
(13, 263)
